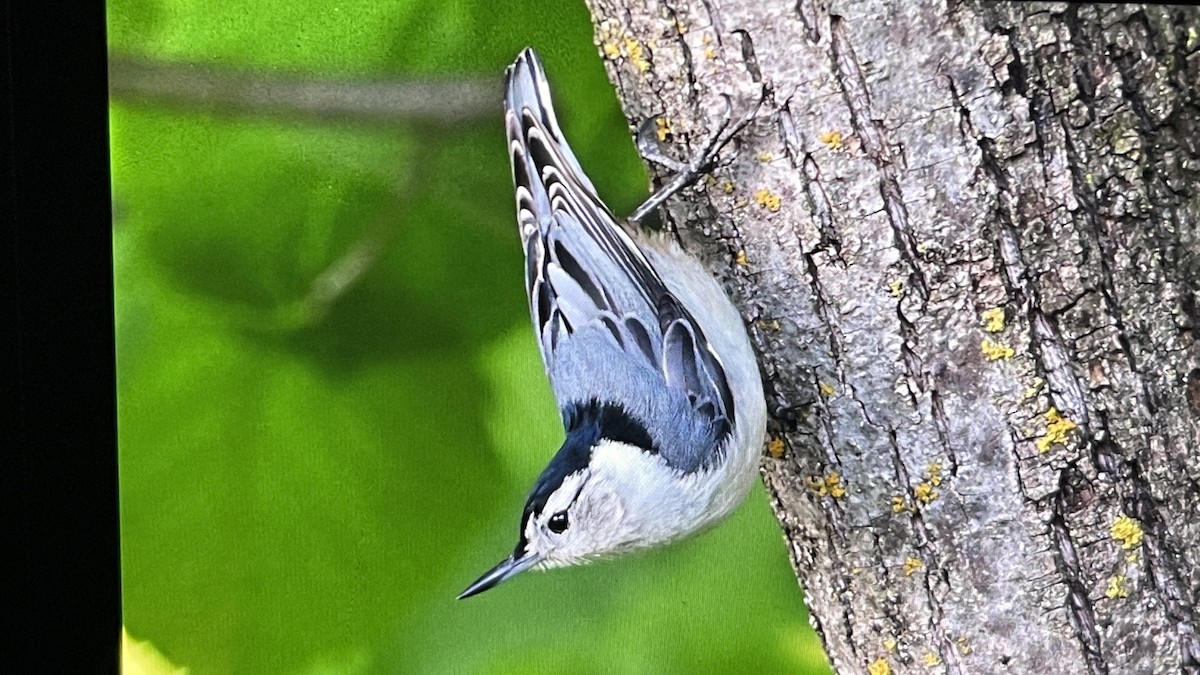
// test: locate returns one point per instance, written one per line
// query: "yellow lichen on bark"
(995, 351)
(765, 197)
(1116, 587)
(993, 320)
(1127, 531)
(911, 565)
(879, 667)
(831, 139)
(1057, 428)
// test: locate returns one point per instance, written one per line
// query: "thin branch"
(224, 89)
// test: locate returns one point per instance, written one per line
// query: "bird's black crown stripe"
(598, 419)
(586, 423)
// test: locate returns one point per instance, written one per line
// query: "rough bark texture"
(962, 491)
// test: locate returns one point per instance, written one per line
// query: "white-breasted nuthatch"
(648, 359)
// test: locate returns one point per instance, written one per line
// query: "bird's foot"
(686, 174)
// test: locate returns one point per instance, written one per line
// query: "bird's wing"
(583, 271)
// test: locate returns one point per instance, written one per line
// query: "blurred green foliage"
(307, 491)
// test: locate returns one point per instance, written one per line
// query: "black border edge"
(59, 431)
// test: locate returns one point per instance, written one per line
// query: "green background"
(307, 491)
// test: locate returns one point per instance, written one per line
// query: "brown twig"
(216, 88)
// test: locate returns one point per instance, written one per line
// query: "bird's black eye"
(558, 522)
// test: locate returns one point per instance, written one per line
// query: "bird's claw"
(686, 174)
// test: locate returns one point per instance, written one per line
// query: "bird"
(649, 361)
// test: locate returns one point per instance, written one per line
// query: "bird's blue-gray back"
(608, 328)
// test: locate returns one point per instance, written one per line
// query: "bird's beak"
(508, 568)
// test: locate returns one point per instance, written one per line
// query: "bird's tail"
(536, 145)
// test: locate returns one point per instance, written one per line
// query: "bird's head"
(589, 503)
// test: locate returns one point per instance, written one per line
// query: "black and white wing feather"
(610, 331)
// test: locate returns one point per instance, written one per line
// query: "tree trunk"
(965, 239)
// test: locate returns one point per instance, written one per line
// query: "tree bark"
(964, 237)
